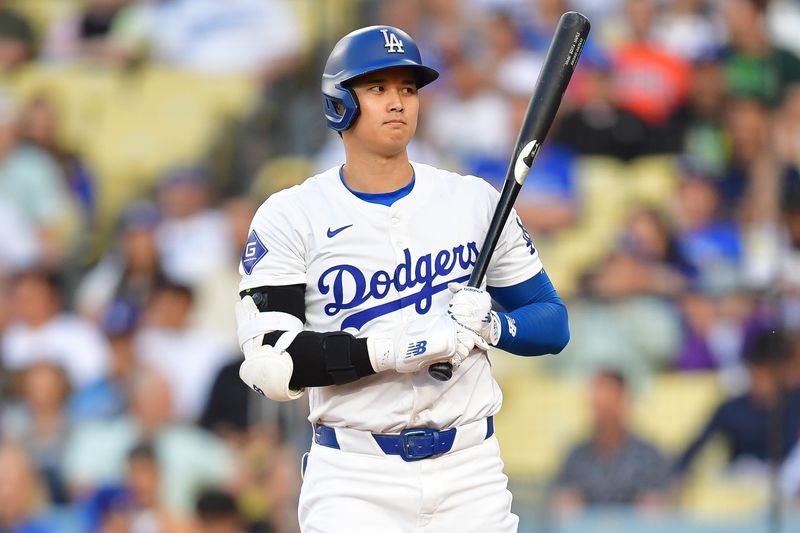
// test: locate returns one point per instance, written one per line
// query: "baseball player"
(352, 285)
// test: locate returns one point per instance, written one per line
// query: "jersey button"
(395, 220)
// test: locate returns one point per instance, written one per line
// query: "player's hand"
(422, 342)
(472, 307)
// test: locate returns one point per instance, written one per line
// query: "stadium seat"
(160, 118)
(540, 420)
(674, 407)
(543, 417)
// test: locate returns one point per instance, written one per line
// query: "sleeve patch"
(254, 251)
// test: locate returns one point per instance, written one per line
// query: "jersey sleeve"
(515, 258)
(275, 251)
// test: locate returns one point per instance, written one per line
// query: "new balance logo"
(417, 348)
(392, 43)
(512, 326)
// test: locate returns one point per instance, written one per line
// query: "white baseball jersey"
(369, 268)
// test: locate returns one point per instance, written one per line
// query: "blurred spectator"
(614, 466)
(21, 248)
(708, 240)
(717, 328)
(755, 67)
(129, 271)
(216, 295)
(789, 257)
(269, 481)
(216, 512)
(686, 30)
(33, 182)
(20, 497)
(650, 82)
(487, 133)
(599, 125)
(230, 409)
(506, 56)
(696, 129)
(38, 420)
(538, 30)
(42, 331)
(783, 23)
(747, 421)
(16, 41)
(134, 506)
(190, 458)
(649, 237)
(193, 239)
(83, 35)
(5, 317)
(619, 323)
(143, 482)
(772, 237)
(602, 13)
(39, 127)
(646, 261)
(748, 184)
(259, 37)
(109, 397)
(188, 357)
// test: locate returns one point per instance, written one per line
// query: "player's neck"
(377, 174)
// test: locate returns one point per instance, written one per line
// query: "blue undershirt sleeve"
(535, 321)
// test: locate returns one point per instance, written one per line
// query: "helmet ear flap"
(341, 108)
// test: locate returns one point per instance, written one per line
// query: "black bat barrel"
(562, 57)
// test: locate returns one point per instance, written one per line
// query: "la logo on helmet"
(392, 43)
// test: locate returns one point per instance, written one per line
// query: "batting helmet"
(361, 52)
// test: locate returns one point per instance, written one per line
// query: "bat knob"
(441, 371)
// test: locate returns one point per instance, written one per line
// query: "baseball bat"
(559, 64)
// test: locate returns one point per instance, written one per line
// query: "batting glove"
(422, 342)
(472, 307)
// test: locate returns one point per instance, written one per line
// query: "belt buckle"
(408, 452)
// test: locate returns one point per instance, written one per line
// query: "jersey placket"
(399, 237)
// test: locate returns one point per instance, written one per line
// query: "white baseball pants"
(463, 491)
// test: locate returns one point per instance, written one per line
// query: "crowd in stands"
(138, 137)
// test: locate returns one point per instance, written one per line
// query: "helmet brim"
(423, 74)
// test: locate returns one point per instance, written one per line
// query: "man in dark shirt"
(754, 66)
(747, 422)
(613, 466)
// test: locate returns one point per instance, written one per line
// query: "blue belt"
(411, 444)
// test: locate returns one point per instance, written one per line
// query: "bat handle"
(444, 371)
(441, 371)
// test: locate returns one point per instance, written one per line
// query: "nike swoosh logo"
(335, 232)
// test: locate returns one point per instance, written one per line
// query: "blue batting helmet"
(361, 52)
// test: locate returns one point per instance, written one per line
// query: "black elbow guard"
(322, 359)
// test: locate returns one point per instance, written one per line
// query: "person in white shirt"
(41, 331)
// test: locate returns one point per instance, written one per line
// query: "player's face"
(388, 105)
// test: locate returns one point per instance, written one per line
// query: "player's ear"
(339, 108)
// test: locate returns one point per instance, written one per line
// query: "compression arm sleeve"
(319, 359)
(536, 320)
